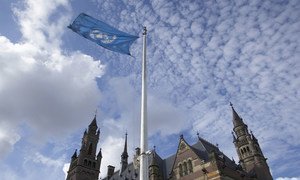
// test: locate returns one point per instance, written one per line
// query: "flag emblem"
(104, 38)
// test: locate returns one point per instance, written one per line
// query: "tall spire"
(124, 156)
(86, 160)
(125, 145)
(93, 126)
(94, 122)
(247, 147)
(237, 121)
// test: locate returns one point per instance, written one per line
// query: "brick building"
(199, 161)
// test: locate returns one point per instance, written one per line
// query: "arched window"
(94, 165)
(180, 170)
(190, 166)
(85, 162)
(248, 149)
(185, 171)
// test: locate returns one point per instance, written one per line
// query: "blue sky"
(201, 55)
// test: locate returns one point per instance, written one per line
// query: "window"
(180, 170)
(190, 166)
(185, 167)
(90, 149)
(185, 171)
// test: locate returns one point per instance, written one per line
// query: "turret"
(250, 155)
(154, 173)
(124, 156)
(87, 161)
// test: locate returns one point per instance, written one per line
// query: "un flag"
(102, 34)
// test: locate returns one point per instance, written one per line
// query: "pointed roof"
(237, 121)
(182, 145)
(75, 154)
(153, 159)
(94, 122)
(203, 148)
(125, 154)
(99, 154)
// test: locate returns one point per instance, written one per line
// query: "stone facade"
(200, 161)
(86, 166)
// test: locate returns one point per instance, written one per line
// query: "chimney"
(110, 171)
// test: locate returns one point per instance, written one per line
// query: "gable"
(185, 159)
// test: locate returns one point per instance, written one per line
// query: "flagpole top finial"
(145, 30)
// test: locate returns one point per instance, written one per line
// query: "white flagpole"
(144, 129)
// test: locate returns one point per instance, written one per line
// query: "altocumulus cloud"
(204, 54)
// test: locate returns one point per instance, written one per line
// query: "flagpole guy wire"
(144, 129)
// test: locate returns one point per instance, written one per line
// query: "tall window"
(185, 172)
(90, 149)
(180, 170)
(190, 166)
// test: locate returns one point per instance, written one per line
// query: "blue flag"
(102, 34)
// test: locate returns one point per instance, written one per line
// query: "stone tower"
(154, 172)
(250, 155)
(124, 156)
(86, 166)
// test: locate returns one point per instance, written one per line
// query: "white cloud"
(40, 85)
(160, 111)
(35, 23)
(288, 178)
(44, 160)
(44, 93)
(111, 151)
(66, 169)
(8, 137)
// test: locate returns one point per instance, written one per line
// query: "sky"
(201, 55)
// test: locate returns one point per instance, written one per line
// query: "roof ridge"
(207, 142)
